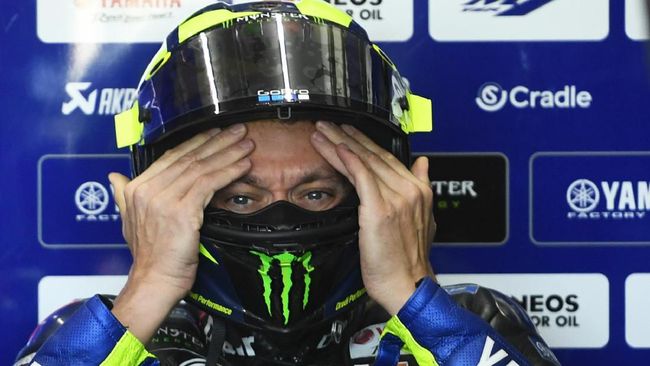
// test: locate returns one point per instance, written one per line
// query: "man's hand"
(396, 224)
(162, 212)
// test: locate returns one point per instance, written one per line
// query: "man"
(273, 135)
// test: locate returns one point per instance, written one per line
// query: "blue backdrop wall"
(540, 153)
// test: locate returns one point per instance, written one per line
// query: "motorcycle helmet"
(282, 269)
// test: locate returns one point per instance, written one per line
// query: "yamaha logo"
(622, 200)
(492, 97)
(92, 200)
(583, 195)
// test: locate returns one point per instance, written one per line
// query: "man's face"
(285, 167)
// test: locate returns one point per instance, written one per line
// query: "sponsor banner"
(149, 21)
(76, 207)
(57, 291)
(384, 20)
(637, 316)
(592, 198)
(111, 21)
(84, 98)
(518, 20)
(492, 97)
(636, 19)
(569, 310)
(470, 197)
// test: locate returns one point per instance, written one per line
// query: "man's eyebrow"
(317, 175)
(250, 180)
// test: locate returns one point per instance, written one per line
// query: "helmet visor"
(279, 59)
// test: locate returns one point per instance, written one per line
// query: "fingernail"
(246, 144)
(244, 163)
(323, 125)
(319, 137)
(344, 146)
(348, 129)
(237, 129)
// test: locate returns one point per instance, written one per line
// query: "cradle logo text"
(89, 101)
(492, 97)
(623, 200)
(92, 200)
(504, 7)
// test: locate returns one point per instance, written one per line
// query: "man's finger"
(366, 142)
(404, 184)
(174, 154)
(363, 180)
(179, 178)
(204, 187)
(119, 181)
(420, 169)
(419, 180)
(365, 150)
(361, 138)
(327, 150)
(199, 147)
(221, 141)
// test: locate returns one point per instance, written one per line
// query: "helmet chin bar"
(282, 269)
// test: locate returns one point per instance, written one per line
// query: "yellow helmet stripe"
(161, 57)
(128, 129)
(421, 114)
(321, 9)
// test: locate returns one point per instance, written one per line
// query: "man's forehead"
(291, 176)
(284, 156)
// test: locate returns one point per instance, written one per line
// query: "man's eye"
(240, 200)
(316, 195)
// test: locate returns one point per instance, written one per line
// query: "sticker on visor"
(282, 95)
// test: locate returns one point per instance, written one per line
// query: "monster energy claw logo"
(286, 261)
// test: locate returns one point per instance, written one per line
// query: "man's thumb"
(421, 169)
(118, 182)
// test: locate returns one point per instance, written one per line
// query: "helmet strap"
(217, 338)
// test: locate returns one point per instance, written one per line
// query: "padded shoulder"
(507, 317)
(44, 330)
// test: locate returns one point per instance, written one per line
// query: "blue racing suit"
(437, 326)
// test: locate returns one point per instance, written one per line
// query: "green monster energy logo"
(286, 261)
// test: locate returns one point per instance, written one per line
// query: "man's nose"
(280, 196)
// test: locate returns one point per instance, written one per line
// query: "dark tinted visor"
(277, 60)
